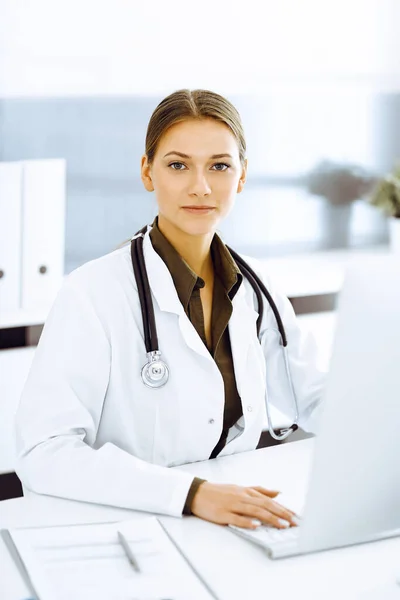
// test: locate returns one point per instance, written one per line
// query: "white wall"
(76, 47)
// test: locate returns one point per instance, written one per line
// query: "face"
(196, 174)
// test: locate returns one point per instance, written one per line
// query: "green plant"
(386, 194)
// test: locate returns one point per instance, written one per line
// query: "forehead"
(198, 138)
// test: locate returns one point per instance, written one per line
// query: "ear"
(242, 179)
(145, 172)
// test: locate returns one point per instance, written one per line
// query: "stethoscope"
(155, 372)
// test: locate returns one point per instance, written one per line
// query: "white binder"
(10, 236)
(43, 231)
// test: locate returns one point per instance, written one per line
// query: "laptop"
(353, 491)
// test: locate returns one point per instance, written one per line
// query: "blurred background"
(317, 84)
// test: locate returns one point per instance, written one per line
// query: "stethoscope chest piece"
(155, 373)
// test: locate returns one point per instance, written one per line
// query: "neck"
(194, 249)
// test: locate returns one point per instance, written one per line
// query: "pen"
(127, 549)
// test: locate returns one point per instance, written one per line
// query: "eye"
(173, 166)
(179, 166)
(221, 165)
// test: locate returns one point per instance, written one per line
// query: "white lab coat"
(87, 426)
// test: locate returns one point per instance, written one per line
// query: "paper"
(87, 561)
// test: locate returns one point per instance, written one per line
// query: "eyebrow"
(187, 156)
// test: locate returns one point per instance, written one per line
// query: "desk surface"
(233, 567)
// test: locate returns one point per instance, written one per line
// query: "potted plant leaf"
(386, 196)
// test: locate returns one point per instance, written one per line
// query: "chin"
(199, 226)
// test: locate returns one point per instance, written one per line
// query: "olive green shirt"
(226, 284)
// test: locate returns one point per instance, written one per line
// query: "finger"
(263, 515)
(281, 511)
(273, 507)
(285, 508)
(265, 492)
(258, 492)
(242, 521)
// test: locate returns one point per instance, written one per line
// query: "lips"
(198, 210)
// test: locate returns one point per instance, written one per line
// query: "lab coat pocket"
(278, 382)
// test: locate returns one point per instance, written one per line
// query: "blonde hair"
(183, 105)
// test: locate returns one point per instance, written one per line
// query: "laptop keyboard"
(268, 536)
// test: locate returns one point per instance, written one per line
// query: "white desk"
(234, 568)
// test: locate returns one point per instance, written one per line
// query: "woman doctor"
(87, 427)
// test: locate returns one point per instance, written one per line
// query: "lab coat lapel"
(160, 280)
(192, 338)
(242, 330)
(165, 294)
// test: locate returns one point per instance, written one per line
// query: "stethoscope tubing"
(258, 285)
(149, 322)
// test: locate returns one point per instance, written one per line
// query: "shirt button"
(211, 421)
(249, 408)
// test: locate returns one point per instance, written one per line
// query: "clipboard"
(87, 561)
(19, 563)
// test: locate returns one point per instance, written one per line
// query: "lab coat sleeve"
(307, 378)
(59, 413)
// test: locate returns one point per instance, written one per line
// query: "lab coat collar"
(241, 324)
(160, 279)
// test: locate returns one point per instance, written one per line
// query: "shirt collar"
(225, 267)
(185, 279)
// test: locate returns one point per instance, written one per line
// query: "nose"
(199, 185)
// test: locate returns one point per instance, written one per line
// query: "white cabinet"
(10, 236)
(32, 236)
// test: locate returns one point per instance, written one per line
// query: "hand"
(240, 506)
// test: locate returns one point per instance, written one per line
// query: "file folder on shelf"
(43, 231)
(10, 236)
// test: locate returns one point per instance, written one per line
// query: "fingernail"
(296, 520)
(284, 523)
(256, 522)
